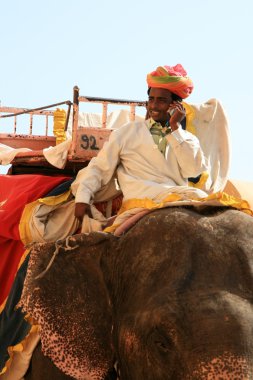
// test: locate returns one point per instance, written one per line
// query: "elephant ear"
(65, 293)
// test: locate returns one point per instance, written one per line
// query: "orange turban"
(172, 78)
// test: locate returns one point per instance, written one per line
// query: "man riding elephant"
(154, 161)
(165, 301)
(152, 158)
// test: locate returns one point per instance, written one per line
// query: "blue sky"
(108, 47)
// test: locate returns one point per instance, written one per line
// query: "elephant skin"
(169, 300)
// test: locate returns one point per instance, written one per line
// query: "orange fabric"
(172, 78)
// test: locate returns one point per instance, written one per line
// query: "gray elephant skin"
(169, 300)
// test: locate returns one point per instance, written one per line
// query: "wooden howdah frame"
(86, 141)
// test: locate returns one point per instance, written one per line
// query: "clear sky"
(107, 47)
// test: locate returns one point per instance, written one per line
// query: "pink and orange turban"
(172, 78)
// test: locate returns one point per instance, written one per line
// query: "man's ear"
(65, 294)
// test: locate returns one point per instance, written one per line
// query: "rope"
(56, 251)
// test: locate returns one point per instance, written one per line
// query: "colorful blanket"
(15, 193)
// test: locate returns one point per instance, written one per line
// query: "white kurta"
(142, 170)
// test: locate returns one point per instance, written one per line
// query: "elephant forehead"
(215, 314)
(181, 250)
(217, 320)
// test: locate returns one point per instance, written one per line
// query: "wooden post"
(46, 125)
(15, 125)
(75, 120)
(104, 115)
(31, 124)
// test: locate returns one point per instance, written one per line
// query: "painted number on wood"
(89, 142)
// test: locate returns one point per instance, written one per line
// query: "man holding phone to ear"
(153, 158)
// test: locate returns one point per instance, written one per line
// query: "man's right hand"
(81, 209)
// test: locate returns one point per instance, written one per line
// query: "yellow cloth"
(134, 206)
(59, 125)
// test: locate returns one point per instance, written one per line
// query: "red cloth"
(15, 192)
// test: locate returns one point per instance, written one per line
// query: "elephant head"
(171, 299)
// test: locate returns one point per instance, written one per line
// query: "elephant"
(171, 299)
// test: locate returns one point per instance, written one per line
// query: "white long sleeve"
(99, 171)
(188, 152)
(142, 170)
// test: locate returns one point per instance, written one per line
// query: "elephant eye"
(162, 342)
(163, 346)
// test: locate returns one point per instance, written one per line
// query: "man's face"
(158, 104)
